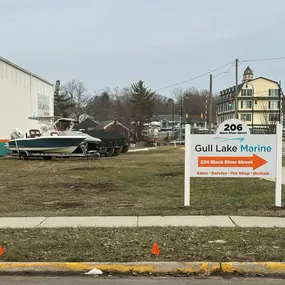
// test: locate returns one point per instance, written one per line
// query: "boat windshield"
(48, 128)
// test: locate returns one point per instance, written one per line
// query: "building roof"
(87, 124)
(240, 86)
(248, 70)
(24, 70)
(231, 89)
(230, 92)
(261, 77)
(105, 124)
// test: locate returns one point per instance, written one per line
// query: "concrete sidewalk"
(142, 221)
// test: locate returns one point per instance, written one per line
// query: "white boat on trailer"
(46, 142)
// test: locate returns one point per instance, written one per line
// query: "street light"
(252, 104)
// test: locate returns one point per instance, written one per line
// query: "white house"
(23, 95)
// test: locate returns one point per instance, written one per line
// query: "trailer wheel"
(23, 155)
(110, 152)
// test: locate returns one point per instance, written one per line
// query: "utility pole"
(173, 125)
(181, 114)
(236, 97)
(210, 104)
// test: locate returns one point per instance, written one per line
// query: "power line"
(193, 78)
(265, 59)
(225, 72)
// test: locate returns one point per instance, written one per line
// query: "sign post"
(233, 152)
(278, 179)
(187, 165)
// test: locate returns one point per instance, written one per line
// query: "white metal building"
(22, 95)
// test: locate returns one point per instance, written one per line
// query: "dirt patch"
(87, 186)
(170, 174)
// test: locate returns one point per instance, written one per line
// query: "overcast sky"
(117, 42)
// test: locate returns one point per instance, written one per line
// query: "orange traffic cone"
(155, 249)
(2, 250)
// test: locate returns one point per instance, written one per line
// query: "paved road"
(22, 280)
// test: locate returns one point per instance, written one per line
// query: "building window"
(246, 92)
(245, 117)
(273, 117)
(273, 105)
(273, 92)
(164, 125)
(245, 104)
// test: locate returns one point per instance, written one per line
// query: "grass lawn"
(127, 245)
(145, 183)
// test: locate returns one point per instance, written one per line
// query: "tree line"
(133, 106)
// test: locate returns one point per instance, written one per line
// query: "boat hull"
(56, 144)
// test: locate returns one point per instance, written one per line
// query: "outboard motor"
(17, 134)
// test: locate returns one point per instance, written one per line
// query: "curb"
(206, 268)
(264, 268)
(121, 268)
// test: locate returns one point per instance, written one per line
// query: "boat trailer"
(25, 155)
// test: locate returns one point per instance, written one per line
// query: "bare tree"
(76, 90)
(196, 102)
(123, 105)
(161, 105)
(177, 93)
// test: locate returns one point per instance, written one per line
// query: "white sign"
(233, 127)
(233, 156)
(233, 152)
(43, 105)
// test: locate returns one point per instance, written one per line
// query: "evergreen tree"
(62, 101)
(142, 101)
